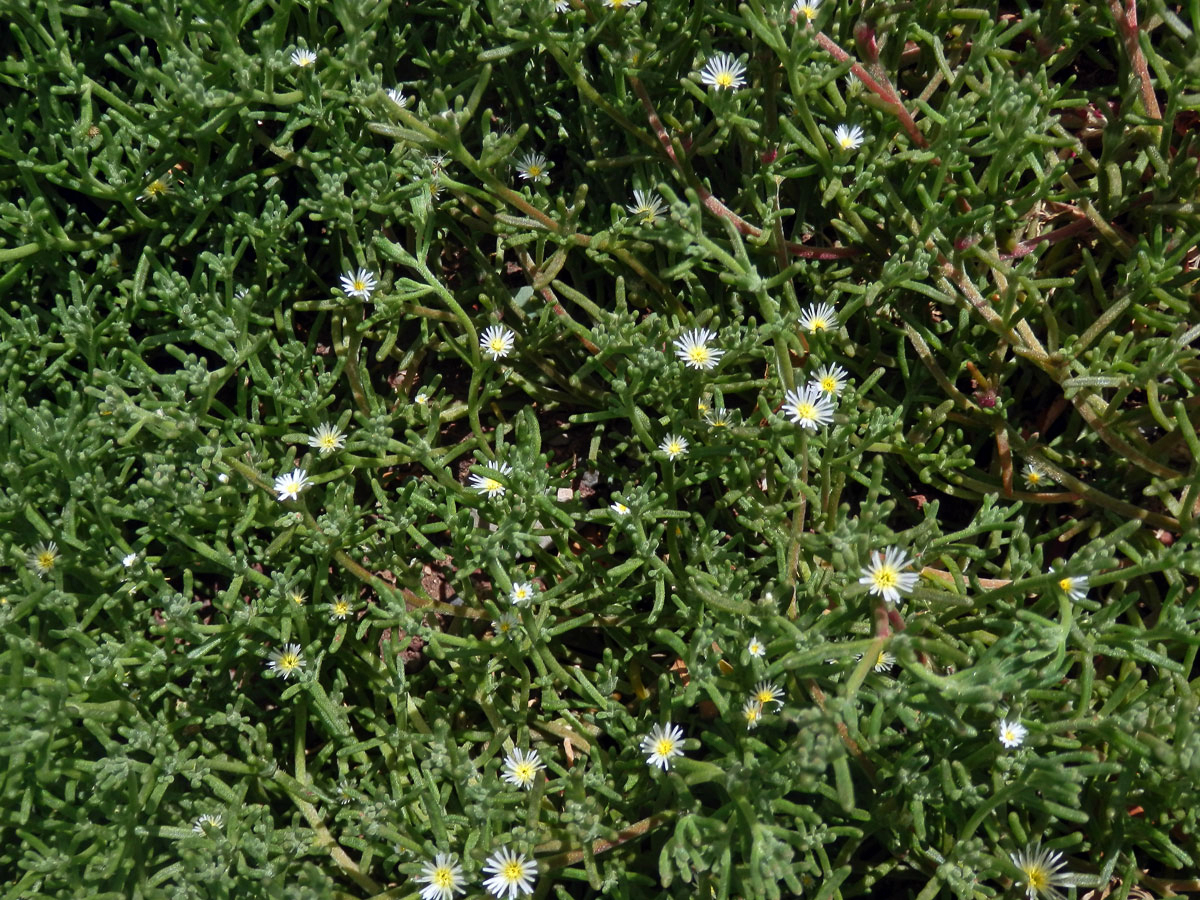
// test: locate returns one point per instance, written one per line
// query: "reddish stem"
(884, 91)
(1127, 24)
(715, 206)
(1058, 234)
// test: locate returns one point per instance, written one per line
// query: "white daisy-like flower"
(303, 58)
(286, 662)
(830, 380)
(1035, 476)
(521, 592)
(209, 819)
(848, 137)
(512, 874)
(808, 407)
(884, 576)
(422, 399)
(521, 768)
(621, 4)
(562, 6)
(1074, 586)
(129, 560)
(489, 484)
(645, 207)
(296, 596)
(289, 485)
(533, 167)
(768, 692)
(718, 418)
(1041, 870)
(340, 608)
(326, 438)
(884, 661)
(497, 341)
(619, 508)
(442, 877)
(359, 284)
(396, 95)
(506, 625)
(806, 8)
(723, 72)
(819, 317)
(674, 446)
(663, 744)
(756, 648)
(155, 189)
(694, 351)
(752, 713)
(1011, 734)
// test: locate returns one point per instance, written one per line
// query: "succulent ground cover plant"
(632, 449)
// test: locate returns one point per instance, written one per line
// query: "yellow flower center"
(45, 560)
(765, 696)
(289, 661)
(444, 878)
(491, 484)
(674, 449)
(496, 345)
(664, 747)
(806, 411)
(359, 284)
(513, 871)
(297, 598)
(1065, 584)
(535, 171)
(341, 608)
(809, 11)
(524, 772)
(1034, 478)
(846, 142)
(886, 578)
(1037, 877)
(829, 384)
(156, 188)
(818, 324)
(724, 79)
(698, 354)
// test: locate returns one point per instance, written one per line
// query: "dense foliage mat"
(632, 449)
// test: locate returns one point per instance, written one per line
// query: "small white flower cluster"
(765, 694)
(512, 875)
(813, 405)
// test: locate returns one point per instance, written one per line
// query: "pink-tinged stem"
(1127, 24)
(715, 206)
(1058, 234)
(884, 91)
